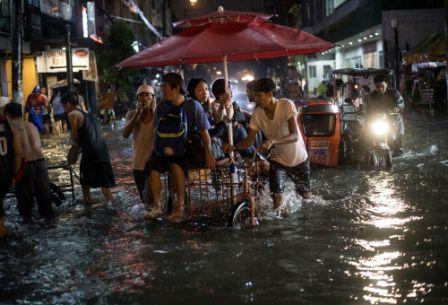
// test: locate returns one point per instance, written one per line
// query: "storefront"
(51, 67)
(363, 50)
(424, 81)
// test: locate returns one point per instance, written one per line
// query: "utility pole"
(68, 58)
(446, 67)
(17, 12)
(394, 25)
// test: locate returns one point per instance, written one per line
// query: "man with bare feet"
(174, 118)
(95, 168)
(34, 182)
(139, 123)
(277, 119)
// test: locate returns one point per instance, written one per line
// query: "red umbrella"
(227, 36)
(219, 16)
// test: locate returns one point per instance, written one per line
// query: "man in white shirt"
(277, 119)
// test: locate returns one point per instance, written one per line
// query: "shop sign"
(54, 61)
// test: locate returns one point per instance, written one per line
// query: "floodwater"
(366, 237)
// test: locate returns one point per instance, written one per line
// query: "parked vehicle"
(352, 127)
(320, 123)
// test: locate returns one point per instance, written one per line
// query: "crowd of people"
(48, 114)
(272, 127)
(163, 135)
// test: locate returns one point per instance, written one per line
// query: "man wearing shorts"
(60, 116)
(174, 99)
(95, 168)
(277, 119)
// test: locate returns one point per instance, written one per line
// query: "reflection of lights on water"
(372, 245)
(382, 288)
(385, 213)
(381, 261)
(386, 206)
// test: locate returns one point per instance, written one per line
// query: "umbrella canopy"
(231, 36)
(221, 17)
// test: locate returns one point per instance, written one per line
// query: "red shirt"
(37, 102)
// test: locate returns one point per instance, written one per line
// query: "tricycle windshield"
(319, 125)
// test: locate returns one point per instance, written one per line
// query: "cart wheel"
(240, 217)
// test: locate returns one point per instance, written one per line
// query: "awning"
(432, 49)
(361, 72)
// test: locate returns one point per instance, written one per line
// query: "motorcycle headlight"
(380, 127)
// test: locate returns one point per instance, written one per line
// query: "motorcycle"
(368, 139)
(382, 132)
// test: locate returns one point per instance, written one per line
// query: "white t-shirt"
(142, 142)
(290, 154)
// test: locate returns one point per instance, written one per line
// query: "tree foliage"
(117, 47)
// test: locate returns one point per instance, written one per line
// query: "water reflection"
(387, 214)
(387, 208)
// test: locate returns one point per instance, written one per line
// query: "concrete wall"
(29, 74)
(350, 58)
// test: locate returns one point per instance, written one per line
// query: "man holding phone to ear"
(139, 123)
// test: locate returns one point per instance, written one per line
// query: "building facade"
(45, 29)
(364, 32)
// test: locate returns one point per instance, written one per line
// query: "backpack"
(171, 133)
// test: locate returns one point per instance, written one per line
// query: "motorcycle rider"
(388, 100)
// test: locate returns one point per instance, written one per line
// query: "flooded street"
(366, 237)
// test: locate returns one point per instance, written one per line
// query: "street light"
(193, 2)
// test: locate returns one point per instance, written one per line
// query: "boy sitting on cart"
(277, 119)
(174, 119)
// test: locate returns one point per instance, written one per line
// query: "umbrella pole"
(229, 122)
(229, 133)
